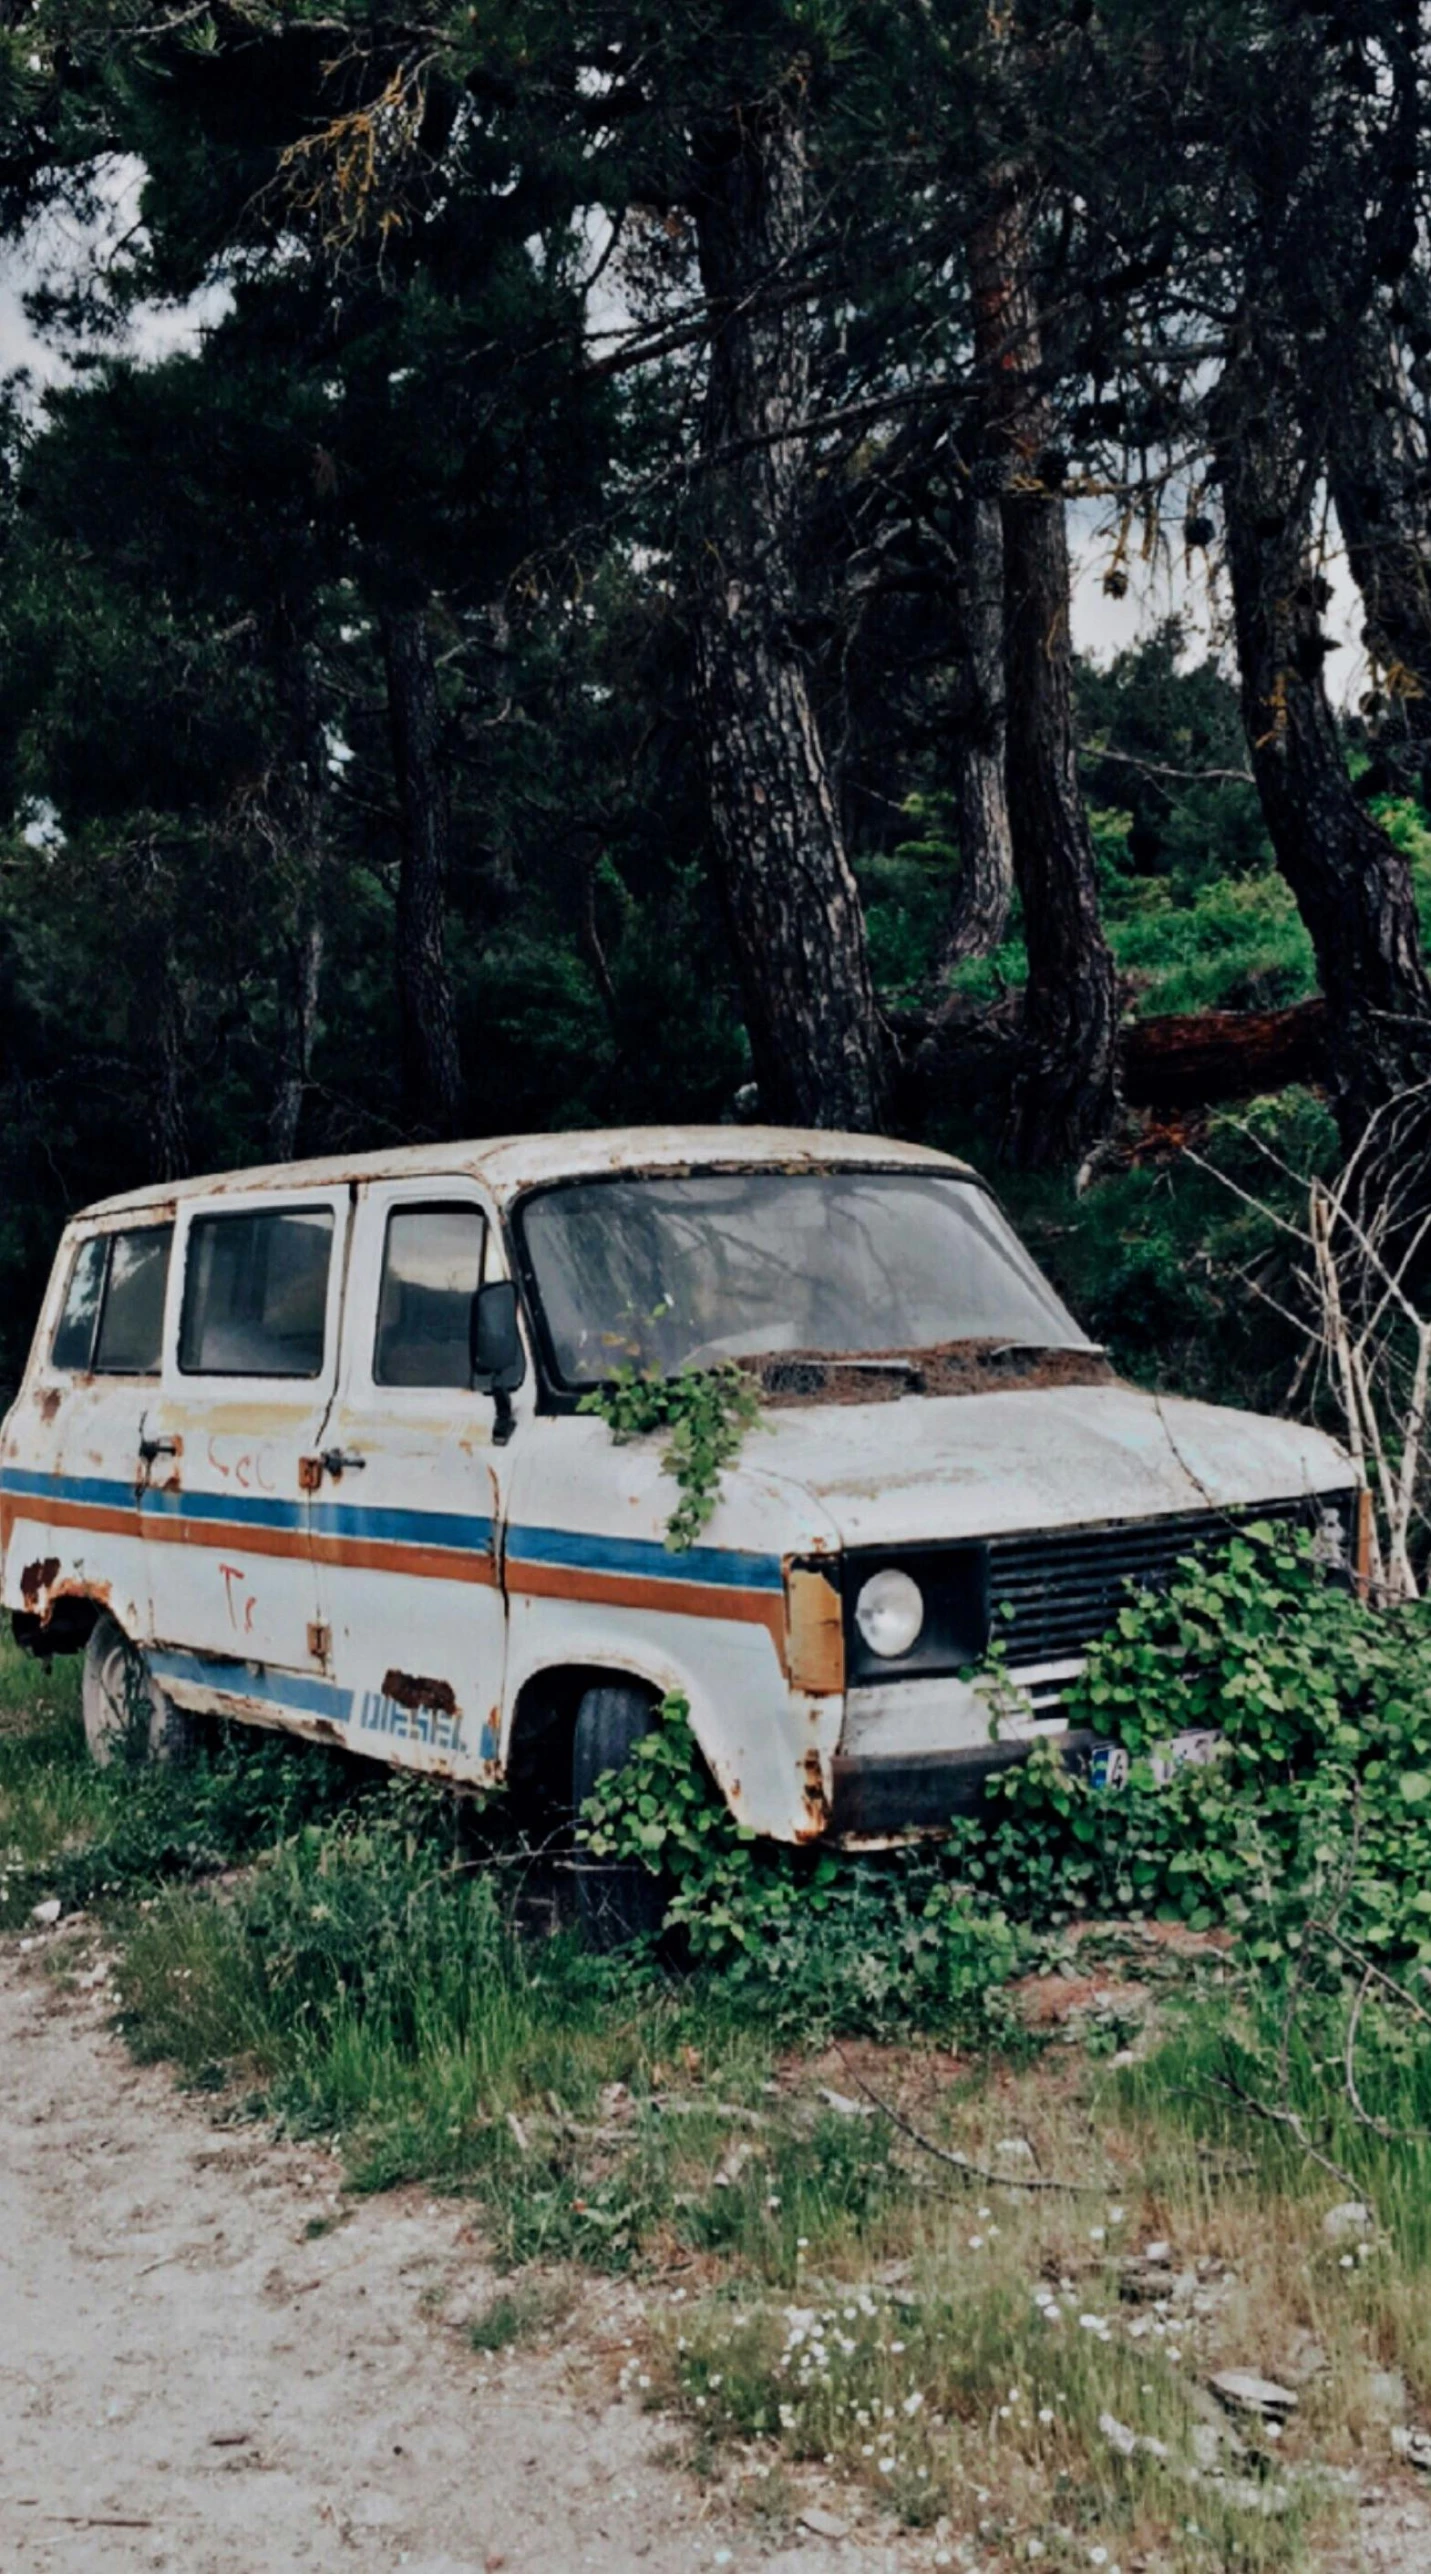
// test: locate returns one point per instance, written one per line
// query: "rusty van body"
(307, 1442)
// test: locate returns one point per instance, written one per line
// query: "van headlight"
(889, 1613)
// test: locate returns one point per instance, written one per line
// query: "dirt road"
(188, 2379)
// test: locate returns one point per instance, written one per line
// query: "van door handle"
(149, 1449)
(333, 1461)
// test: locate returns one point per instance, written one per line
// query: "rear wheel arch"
(64, 1626)
(127, 1714)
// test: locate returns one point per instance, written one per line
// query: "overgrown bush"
(1317, 1809)
(819, 1938)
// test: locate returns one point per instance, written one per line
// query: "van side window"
(256, 1293)
(432, 1269)
(113, 1318)
(73, 1344)
(131, 1325)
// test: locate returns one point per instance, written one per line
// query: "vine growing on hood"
(707, 1410)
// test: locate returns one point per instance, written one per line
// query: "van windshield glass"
(671, 1273)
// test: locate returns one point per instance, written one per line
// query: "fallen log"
(1199, 1058)
(1191, 1060)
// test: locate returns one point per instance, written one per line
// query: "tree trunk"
(1066, 1096)
(1352, 887)
(816, 1037)
(1380, 475)
(292, 820)
(300, 983)
(168, 1119)
(979, 915)
(427, 1015)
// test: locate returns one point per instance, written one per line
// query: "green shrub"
(1318, 1808)
(819, 1938)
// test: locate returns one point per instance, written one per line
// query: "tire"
(127, 1716)
(617, 1900)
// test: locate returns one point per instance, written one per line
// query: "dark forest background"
(582, 634)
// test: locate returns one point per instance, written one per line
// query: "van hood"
(978, 1465)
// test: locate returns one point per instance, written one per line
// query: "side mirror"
(495, 1339)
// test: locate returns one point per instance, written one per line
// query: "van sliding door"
(231, 1457)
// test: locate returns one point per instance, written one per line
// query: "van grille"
(1051, 1596)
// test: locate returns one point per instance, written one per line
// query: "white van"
(302, 1446)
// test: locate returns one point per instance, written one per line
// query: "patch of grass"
(1021, 2370)
(72, 1830)
(51, 1797)
(524, 2312)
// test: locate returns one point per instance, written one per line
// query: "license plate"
(1109, 1766)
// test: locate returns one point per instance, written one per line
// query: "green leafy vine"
(707, 1410)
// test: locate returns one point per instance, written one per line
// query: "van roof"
(511, 1163)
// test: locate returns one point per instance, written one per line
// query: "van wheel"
(127, 1716)
(617, 1900)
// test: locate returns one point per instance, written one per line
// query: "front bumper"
(880, 1793)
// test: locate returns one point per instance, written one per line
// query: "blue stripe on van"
(574, 1548)
(295, 1693)
(466, 1530)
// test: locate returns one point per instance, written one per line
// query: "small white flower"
(976, 2243)
(1045, 2413)
(1097, 2234)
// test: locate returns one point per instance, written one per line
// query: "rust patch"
(38, 1579)
(47, 1401)
(407, 1691)
(815, 1631)
(101, 1591)
(816, 1816)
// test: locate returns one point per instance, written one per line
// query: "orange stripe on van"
(630, 1591)
(389, 1555)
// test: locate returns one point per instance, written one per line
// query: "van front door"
(406, 1534)
(232, 1451)
(75, 1475)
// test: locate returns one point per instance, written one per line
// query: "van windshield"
(669, 1273)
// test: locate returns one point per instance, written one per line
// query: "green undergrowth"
(799, 2122)
(70, 1830)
